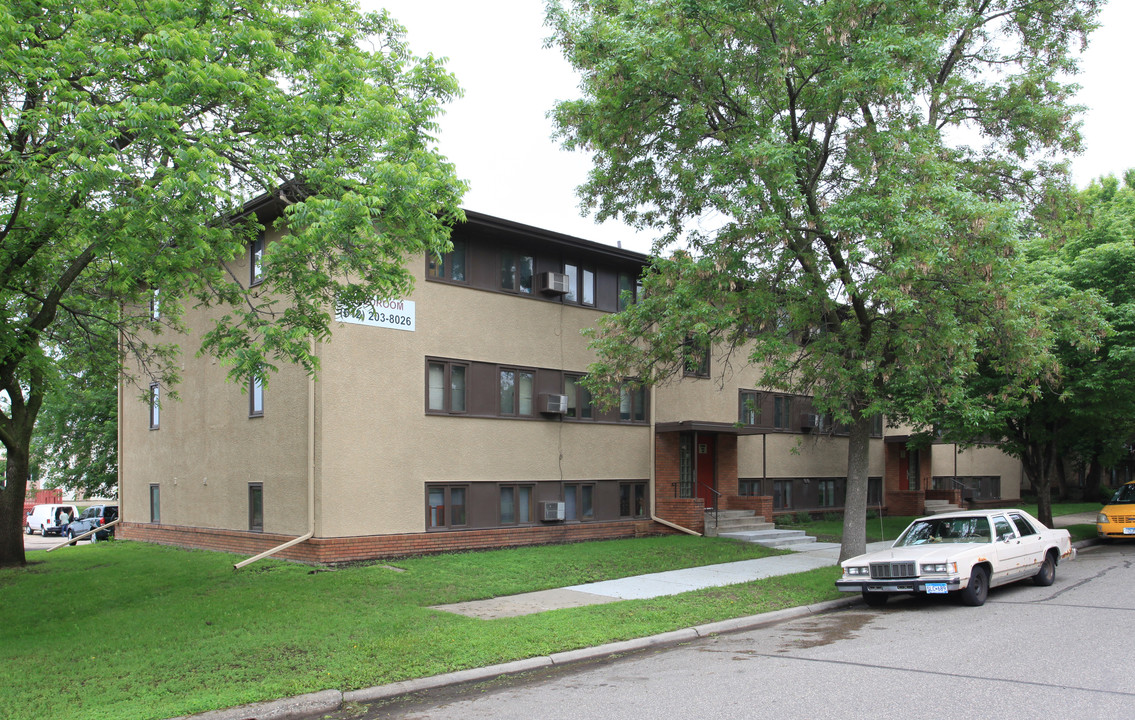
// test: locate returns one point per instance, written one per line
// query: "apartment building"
(455, 419)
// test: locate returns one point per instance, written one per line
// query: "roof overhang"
(706, 426)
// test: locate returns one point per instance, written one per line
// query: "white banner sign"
(393, 314)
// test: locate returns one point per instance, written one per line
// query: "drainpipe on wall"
(653, 479)
(310, 478)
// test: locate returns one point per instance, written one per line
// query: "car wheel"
(1047, 573)
(94, 538)
(71, 537)
(975, 593)
(874, 599)
(28, 530)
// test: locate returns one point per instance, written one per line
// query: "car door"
(1012, 555)
(1032, 543)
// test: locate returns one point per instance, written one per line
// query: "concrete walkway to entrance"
(673, 582)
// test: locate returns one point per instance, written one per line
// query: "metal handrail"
(716, 503)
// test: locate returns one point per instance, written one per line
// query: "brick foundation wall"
(761, 505)
(687, 512)
(953, 497)
(372, 547)
(906, 502)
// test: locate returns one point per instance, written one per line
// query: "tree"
(135, 132)
(813, 155)
(1081, 268)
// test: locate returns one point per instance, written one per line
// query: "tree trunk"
(855, 500)
(12, 505)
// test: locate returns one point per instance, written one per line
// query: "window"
(516, 388)
(155, 305)
(827, 493)
(632, 500)
(516, 504)
(446, 506)
(445, 386)
(627, 291)
(256, 507)
(155, 405)
(750, 411)
(255, 397)
(875, 492)
(877, 425)
(572, 272)
(695, 358)
(517, 272)
(587, 287)
(451, 265)
(155, 504)
(579, 502)
(632, 403)
(748, 487)
(782, 412)
(685, 466)
(1024, 527)
(578, 398)
(1003, 528)
(256, 261)
(781, 494)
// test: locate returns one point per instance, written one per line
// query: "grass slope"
(129, 630)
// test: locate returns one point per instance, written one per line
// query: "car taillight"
(102, 520)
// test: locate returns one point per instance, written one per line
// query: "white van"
(49, 519)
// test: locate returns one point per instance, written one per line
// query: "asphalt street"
(1030, 652)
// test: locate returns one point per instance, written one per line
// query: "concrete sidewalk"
(674, 582)
(638, 587)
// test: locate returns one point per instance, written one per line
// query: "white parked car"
(966, 551)
(49, 519)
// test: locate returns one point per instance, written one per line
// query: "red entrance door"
(706, 462)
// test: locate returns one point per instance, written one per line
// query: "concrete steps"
(744, 526)
(935, 507)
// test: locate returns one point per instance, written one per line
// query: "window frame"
(256, 507)
(782, 412)
(576, 399)
(439, 268)
(255, 397)
(520, 261)
(634, 394)
(700, 367)
(256, 261)
(155, 406)
(447, 387)
(155, 305)
(155, 503)
(517, 489)
(749, 407)
(517, 398)
(635, 497)
(447, 506)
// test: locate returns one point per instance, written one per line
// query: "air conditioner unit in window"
(551, 511)
(553, 283)
(810, 421)
(553, 404)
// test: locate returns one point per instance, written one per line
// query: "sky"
(500, 139)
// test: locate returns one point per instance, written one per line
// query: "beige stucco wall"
(381, 445)
(979, 461)
(207, 448)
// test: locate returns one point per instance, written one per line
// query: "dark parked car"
(93, 517)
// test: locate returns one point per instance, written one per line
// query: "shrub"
(801, 518)
(833, 517)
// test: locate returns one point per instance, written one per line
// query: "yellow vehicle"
(1117, 518)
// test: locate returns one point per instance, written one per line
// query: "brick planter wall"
(687, 512)
(954, 497)
(761, 505)
(906, 502)
(372, 547)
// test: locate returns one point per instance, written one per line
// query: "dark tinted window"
(1024, 527)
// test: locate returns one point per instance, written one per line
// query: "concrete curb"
(304, 706)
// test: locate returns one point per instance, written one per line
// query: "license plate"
(1129, 531)
(936, 588)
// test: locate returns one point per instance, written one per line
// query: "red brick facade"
(371, 547)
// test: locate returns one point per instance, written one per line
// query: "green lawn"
(125, 629)
(889, 527)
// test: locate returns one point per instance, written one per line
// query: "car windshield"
(945, 530)
(1124, 495)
